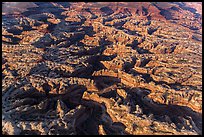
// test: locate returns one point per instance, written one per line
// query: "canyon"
(102, 68)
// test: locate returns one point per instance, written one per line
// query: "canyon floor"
(102, 68)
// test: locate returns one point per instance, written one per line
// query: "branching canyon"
(102, 68)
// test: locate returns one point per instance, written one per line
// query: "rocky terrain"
(96, 68)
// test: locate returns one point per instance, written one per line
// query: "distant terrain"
(102, 68)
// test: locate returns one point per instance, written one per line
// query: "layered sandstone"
(102, 69)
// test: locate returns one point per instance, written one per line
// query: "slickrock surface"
(102, 68)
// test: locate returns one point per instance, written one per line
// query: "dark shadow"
(71, 98)
(151, 30)
(127, 11)
(107, 11)
(29, 132)
(166, 13)
(185, 7)
(40, 69)
(89, 31)
(197, 38)
(43, 7)
(91, 125)
(144, 11)
(14, 40)
(160, 110)
(9, 21)
(134, 46)
(64, 4)
(176, 86)
(15, 31)
(94, 16)
(174, 8)
(149, 18)
(119, 24)
(103, 82)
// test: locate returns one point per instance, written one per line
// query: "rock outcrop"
(102, 69)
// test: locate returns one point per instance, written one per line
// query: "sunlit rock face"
(101, 68)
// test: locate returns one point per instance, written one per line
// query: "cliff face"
(102, 68)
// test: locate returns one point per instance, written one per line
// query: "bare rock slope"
(102, 68)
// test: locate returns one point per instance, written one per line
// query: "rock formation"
(124, 68)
